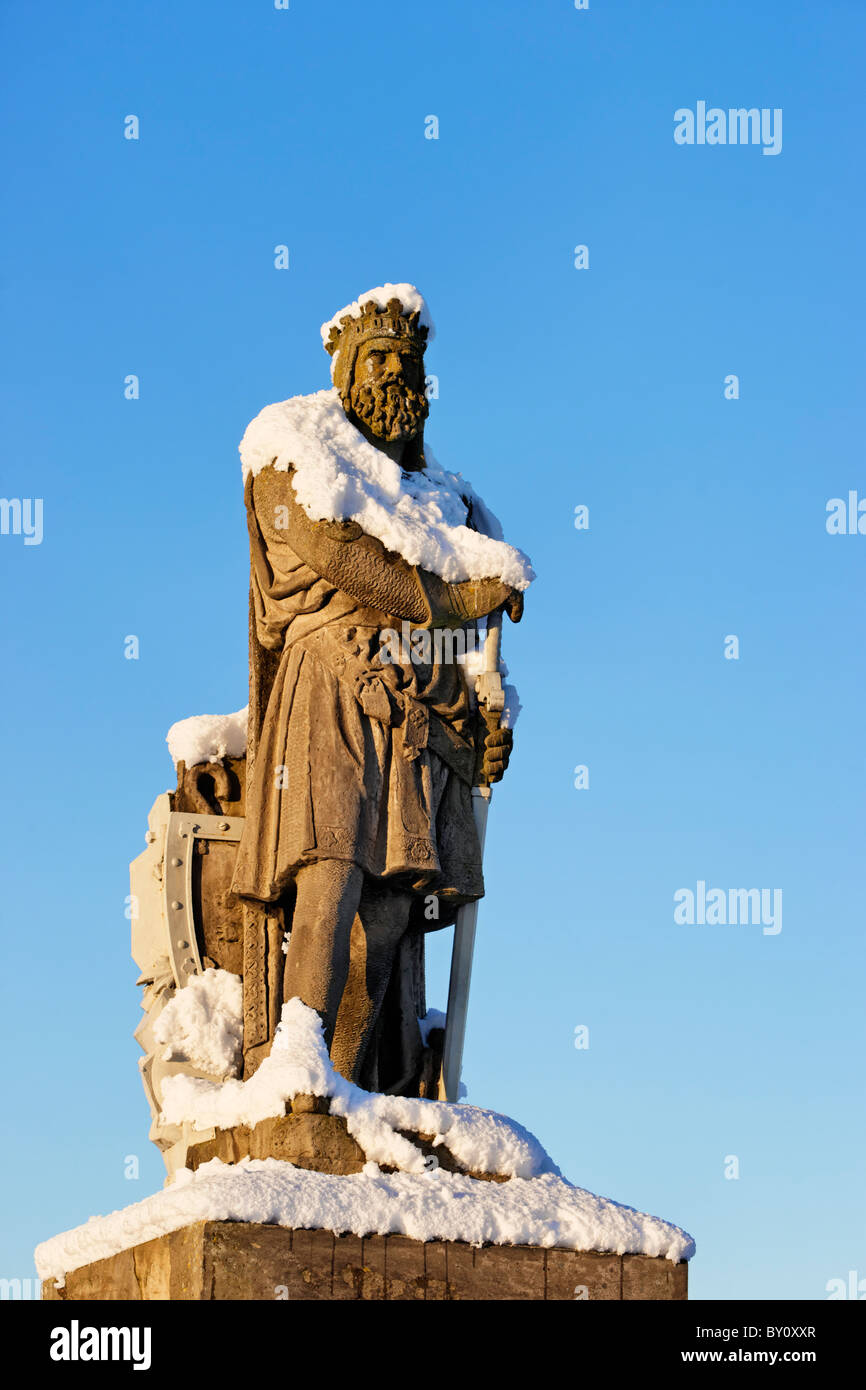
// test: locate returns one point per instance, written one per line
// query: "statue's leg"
(383, 916)
(317, 961)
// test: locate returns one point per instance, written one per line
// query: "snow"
(536, 1206)
(410, 298)
(207, 738)
(512, 706)
(434, 1018)
(435, 1205)
(339, 476)
(203, 1024)
(299, 1064)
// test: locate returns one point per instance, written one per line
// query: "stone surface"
(215, 789)
(321, 1143)
(224, 1260)
(310, 1138)
(643, 1277)
(444, 1157)
(340, 729)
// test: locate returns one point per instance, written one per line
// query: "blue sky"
(558, 387)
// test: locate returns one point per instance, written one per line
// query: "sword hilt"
(488, 687)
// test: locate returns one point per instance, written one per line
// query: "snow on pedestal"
(536, 1207)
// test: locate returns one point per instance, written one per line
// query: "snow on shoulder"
(339, 476)
(536, 1206)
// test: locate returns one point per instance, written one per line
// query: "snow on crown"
(373, 322)
(387, 311)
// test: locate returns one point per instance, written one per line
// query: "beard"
(391, 410)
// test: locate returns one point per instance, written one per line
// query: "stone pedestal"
(233, 1260)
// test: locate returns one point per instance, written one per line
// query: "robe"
(356, 759)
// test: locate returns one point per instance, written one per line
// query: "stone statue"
(359, 834)
(282, 901)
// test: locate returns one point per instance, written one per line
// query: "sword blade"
(461, 970)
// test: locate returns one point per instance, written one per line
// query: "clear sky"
(558, 387)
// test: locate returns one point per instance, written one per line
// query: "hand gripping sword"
(491, 702)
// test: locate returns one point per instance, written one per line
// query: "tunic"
(358, 759)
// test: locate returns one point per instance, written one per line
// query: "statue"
(280, 907)
(359, 768)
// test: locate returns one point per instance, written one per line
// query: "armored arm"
(344, 555)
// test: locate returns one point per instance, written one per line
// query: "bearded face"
(387, 392)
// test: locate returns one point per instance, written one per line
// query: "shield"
(185, 919)
(204, 919)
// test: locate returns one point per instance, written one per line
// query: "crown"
(375, 322)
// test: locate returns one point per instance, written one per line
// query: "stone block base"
(313, 1141)
(235, 1260)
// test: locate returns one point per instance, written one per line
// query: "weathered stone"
(310, 1105)
(405, 1273)
(228, 1145)
(214, 789)
(226, 1260)
(348, 1268)
(106, 1280)
(373, 1268)
(168, 1267)
(321, 1143)
(646, 1278)
(311, 1138)
(572, 1274)
(517, 1272)
(445, 1159)
(152, 1269)
(436, 1270)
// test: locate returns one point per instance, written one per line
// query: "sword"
(491, 702)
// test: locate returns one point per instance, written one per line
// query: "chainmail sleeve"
(358, 564)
